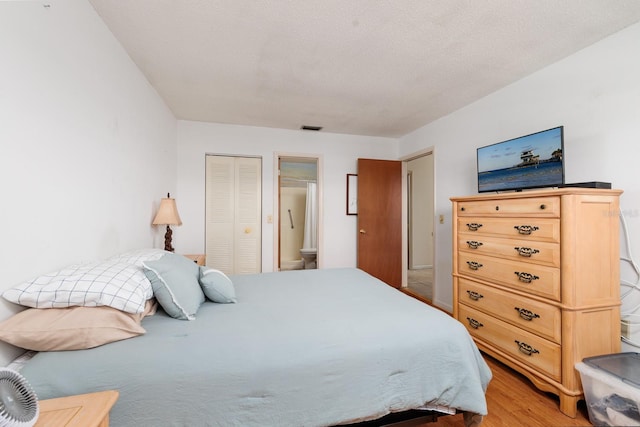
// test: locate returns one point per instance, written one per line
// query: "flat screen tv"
(530, 161)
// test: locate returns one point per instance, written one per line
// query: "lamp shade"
(167, 213)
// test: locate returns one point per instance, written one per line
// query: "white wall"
(88, 147)
(339, 155)
(594, 93)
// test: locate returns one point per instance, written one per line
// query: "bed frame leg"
(472, 420)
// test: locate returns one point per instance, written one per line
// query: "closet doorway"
(420, 225)
(299, 219)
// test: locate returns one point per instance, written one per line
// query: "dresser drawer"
(531, 278)
(530, 207)
(537, 229)
(534, 316)
(544, 253)
(537, 352)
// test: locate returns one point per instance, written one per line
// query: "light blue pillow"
(217, 286)
(174, 279)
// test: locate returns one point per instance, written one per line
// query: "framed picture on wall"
(352, 194)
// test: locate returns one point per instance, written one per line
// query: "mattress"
(299, 348)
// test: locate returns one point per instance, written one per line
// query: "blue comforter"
(299, 348)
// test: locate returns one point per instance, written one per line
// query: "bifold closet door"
(233, 212)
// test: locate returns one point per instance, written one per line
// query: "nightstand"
(199, 259)
(82, 410)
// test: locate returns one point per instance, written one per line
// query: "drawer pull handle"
(474, 323)
(473, 244)
(497, 208)
(526, 229)
(474, 265)
(462, 208)
(526, 348)
(526, 277)
(526, 252)
(526, 314)
(543, 207)
(474, 295)
(474, 226)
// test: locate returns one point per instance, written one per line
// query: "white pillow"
(106, 283)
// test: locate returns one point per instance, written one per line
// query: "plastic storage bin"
(611, 386)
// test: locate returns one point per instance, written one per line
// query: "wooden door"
(380, 219)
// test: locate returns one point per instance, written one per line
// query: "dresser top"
(540, 193)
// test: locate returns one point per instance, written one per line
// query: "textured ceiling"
(367, 67)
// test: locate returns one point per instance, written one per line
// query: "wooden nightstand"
(199, 259)
(82, 410)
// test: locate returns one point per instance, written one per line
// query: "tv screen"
(530, 161)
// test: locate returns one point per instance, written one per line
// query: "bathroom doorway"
(298, 213)
(420, 226)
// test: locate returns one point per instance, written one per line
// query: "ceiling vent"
(306, 127)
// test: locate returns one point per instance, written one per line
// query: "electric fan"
(18, 401)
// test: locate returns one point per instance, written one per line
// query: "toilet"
(309, 257)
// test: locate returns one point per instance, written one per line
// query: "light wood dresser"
(536, 281)
(82, 410)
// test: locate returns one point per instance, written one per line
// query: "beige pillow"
(72, 328)
(150, 309)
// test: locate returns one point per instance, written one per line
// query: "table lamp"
(167, 215)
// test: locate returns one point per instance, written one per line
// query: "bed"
(297, 348)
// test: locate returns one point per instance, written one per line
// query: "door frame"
(405, 211)
(276, 204)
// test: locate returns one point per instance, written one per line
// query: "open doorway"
(420, 224)
(298, 213)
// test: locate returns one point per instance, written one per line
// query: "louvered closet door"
(248, 233)
(233, 212)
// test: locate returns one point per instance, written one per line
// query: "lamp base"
(167, 240)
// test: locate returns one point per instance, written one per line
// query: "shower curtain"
(310, 220)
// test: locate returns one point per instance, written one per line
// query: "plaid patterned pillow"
(108, 283)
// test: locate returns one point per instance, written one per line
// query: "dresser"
(536, 281)
(82, 410)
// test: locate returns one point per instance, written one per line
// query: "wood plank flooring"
(513, 401)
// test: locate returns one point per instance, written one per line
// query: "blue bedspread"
(300, 348)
